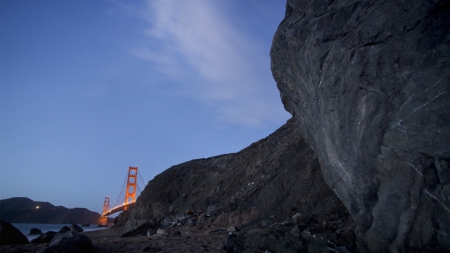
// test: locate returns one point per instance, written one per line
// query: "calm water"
(45, 227)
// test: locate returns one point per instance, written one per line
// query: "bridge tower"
(130, 194)
(104, 219)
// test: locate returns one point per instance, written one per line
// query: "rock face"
(277, 176)
(368, 83)
(10, 235)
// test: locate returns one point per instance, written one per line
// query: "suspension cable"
(142, 178)
(121, 189)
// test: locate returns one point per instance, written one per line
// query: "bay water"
(45, 227)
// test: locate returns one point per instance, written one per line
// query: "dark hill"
(24, 210)
(264, 185)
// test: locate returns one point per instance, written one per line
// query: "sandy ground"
(108, 241)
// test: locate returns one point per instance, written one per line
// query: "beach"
(108, 240)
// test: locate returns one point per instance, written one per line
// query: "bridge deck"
(118, 209)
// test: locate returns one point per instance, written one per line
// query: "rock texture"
(368, 85)
(269, 181)
(69, 242)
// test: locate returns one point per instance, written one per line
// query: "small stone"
(162, 232)
(176, 233)
(265, 223)
(297, 218)
(151, 232)
(231, 229)
(295, 231)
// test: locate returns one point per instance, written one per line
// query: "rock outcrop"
(69, 242)
(368, 83)
(267, 183)
(10, 235)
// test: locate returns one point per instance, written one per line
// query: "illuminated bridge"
(130, 196)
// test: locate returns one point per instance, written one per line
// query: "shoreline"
(191, 239)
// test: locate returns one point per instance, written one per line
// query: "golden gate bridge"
(130, 196)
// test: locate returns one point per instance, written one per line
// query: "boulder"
(162, 232)
(64, 229)
(35, 231)
(44, 238)
(10, 235)
(141, 230)
(69, 242)
(368, 85)
(151, 232)
(75, 228)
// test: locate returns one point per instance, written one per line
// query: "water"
(45, 227)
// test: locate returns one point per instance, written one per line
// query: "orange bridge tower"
(104, 219)
(130, 194)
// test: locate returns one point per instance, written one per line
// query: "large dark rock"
(368, 83)
(10, 235)
(69, 242)
(141, 230)
(44, 238)
(271, 179)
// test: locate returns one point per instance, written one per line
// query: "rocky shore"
(297, 234)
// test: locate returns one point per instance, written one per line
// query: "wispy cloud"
(194, 43)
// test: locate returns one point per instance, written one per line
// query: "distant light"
(37, 207)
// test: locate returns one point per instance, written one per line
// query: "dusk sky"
(88, 88)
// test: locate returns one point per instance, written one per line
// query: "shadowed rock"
(69, 242)
(10, 235)
(44, 238)
(369, 87)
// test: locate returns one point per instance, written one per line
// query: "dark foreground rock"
(369, 87)
(141, 230)
(259, 188)
(35, 231)
(69, 242)
(44, 238)
(9, 235)
(75, 228)
(64, 229)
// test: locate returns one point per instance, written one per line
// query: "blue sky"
(88, 88)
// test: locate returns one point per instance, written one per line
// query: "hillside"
(25, 210)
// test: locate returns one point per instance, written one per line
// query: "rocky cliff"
(23, 210)
(270, 181)
(368, 85)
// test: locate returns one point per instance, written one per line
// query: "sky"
(89, 88)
